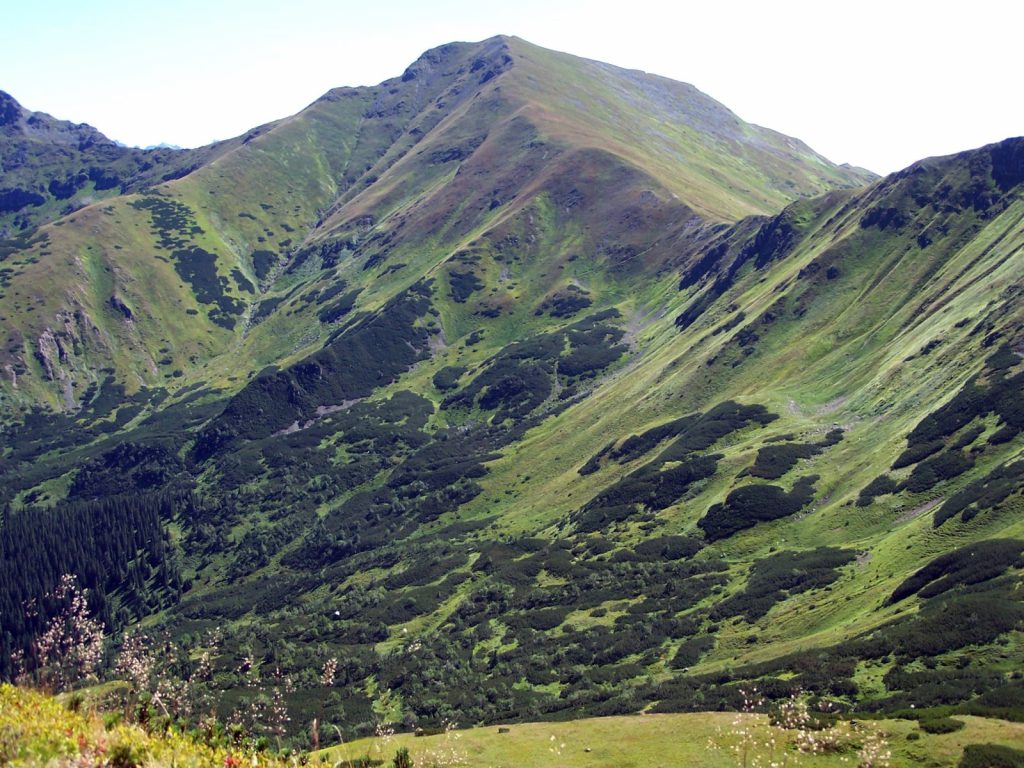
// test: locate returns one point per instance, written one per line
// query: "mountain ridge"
(488, 363)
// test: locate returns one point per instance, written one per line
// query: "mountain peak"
(488, 57)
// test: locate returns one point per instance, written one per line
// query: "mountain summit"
(529, 387)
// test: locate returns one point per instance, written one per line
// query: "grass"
(41, 730)
(37, 729)
(707, 739)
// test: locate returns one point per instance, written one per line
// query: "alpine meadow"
(519, 390)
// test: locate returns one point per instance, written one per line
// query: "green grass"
(702, 739)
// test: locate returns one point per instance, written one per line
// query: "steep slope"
(523, 420)
(470, 148)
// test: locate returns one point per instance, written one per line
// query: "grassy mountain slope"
(517, 401)
(466, 150)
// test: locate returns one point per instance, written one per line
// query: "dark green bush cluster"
(985, 493)
(566, 303)
(940, 725)
(1000, 395)
(967, 565)
(991, 756)
(932, 471)
(338, 309)
(880, 486)
(463, 285)
(448, 377)
(781, 575)
(749, 505)
(654, 488)
(372, 352)
(517, 380)
(773, 461)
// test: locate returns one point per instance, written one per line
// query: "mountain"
(52, 167)
(530, 387)
(164, 285)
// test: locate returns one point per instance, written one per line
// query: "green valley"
(523, 388)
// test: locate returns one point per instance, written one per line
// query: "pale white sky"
(876, 84)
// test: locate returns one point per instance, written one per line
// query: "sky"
(875, 84)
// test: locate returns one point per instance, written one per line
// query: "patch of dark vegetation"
(933, 687)
(986, 493)
(13, 199)
(773, 239)
(957, 620)
(774, 461)
(940, 725)
(116, 547)
(883, 217)
(882, 485)
(521, 377)
(198, 267)
(463, 285)
(749, 505)
(329, 254)
(266, 308)
(694, 432)
(21, 241)
(263, 263)
(447, 378)
(594, 462)
(968, 565)
(995, 391)
(664, 548)
(174, 223)
(991, 756)
(117, 303)
(456, 153)
(242, 281)
(565, 303)
(338, 309)
(728, 325)
(780, 576)
(690, 651)
(937, 469)
(127, 468)
(636, 446)
(653, 487)
(372, 352)
(327, 293)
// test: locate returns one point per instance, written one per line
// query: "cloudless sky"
(876, 84)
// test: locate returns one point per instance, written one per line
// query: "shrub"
(941, 725)
(972, 564)
(991, 756)
(750, 504)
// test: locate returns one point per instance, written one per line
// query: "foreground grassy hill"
(563, 393)
(39, 730)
